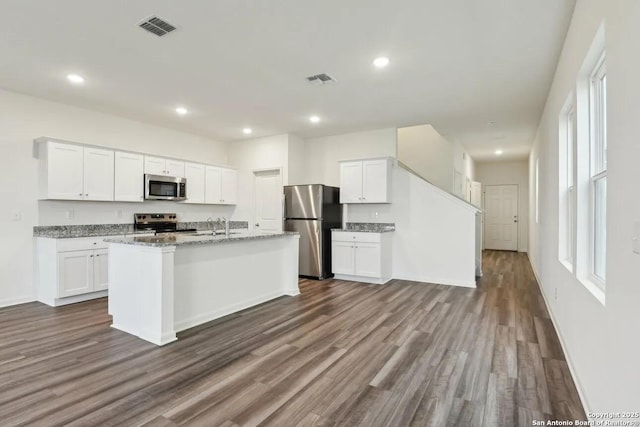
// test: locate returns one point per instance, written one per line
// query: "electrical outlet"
(556, 294)
(70, 214)
(119, 213)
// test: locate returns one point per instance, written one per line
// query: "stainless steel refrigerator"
(313, 210)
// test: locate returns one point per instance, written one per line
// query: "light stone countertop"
(182, 239)
(367, 227)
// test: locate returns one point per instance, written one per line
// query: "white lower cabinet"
(361, 257)
(71, 270)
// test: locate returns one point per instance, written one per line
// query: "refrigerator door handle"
(284, 205)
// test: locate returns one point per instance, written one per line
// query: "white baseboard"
(361, 279)
(438, 281)
(221, 312)
(76, 298)
(6, 302)
(567, 356)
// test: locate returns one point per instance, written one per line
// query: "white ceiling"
(455, 64)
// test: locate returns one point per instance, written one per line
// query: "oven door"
(159, 187)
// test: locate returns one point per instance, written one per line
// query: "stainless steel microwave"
(161, 187)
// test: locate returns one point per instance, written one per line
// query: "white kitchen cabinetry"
(161, 166)
(71, 270)
(98, 174)
(361, 257)
(75, 172)
(221, 185)
(129, 177)
(194, 173)
(365, 181)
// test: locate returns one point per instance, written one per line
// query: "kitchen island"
(160, 285)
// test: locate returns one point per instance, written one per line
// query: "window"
(567, 193)
(598, 169)
(582, 180)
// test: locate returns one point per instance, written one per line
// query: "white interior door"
(501, 217)
(268, 201)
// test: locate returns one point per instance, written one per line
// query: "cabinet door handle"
(80, 194)
(90, 256)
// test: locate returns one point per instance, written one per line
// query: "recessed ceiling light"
(247, 131)
(314, 119)
(498, 152)
(75, 79)
(181, 110)
(381, 62)
(490, 123)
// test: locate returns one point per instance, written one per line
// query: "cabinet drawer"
(81, 244)
(354, 236)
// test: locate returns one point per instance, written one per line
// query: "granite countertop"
(98, 230)
(367, 227)
(179, 239)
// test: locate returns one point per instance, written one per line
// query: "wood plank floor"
(341, 353)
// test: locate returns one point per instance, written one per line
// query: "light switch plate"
(16, 215)
(636, 237)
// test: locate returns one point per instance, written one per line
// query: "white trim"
(567, 356)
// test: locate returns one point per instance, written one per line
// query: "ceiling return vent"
(321, 79)
(157, 26)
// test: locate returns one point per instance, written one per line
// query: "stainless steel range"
(158, 223)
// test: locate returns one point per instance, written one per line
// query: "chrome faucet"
(224, 220)
(210, 223)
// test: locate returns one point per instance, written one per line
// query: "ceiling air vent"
(321, 79)
(157, 26)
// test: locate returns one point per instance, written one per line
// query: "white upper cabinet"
(194, 173)
(74, 172)
(154, 165)
(175, 167)
(229, 188)
(98, 174)
(351, 182)
(129, 177)
(221, 185)
(213, 185)
(365, 181)
(161, 166)
(61, 175)
(375, 181)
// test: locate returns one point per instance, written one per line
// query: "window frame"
(597, 169)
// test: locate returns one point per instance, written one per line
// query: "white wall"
(435, 158)
(270, 152)
(427, 152)
(323, 154)
(298, 161)
(602, 342)
(24, 118)
(500, 173)
(434, 239)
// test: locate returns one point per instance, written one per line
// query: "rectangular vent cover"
(321, 79)
(157, 26)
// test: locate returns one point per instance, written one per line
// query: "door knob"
(257, 225)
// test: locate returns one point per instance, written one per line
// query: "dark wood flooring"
(341, 353)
